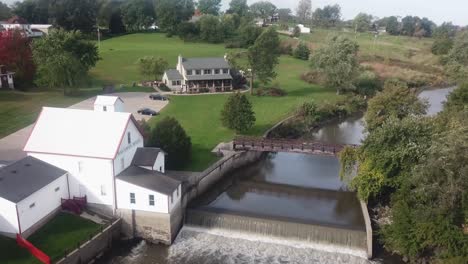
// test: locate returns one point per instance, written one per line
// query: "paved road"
(11, 147)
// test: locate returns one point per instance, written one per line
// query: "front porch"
(206, 86)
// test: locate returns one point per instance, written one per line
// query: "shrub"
(172, 138)
(314, 77)
(273, 91)
(296, 32)
(286, 48)
(302, 52)
(288, 130)
(368, 84)
(188, 31)
(163, 87)
(237, 113)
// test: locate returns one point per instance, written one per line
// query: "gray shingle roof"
(25, 177)
(151, 180)
(209, 77)
(205, 63)
(145, 156)
(174, 74)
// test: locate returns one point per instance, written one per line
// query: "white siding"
(141, 198)
(118, 106)
(127, 150)
(95, 176)
(38, 205)
(8, 217)
(175, 198)
(159, 164)
(169, 84)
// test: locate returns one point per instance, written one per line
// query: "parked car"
(158, 97)
(147, 111)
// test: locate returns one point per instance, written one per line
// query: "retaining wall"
(367, 221)
(95, 247)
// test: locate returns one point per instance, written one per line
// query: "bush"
(296, 32)
(273, 91)
(163, 87)
(314, 77)
(188, 31)
(302, 52)
(237, 113)
(288, 131)
(368, 84)
(172, 138)
(442, 46)
(238, 80)
(286, 48)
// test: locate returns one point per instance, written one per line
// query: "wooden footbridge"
(286, 145)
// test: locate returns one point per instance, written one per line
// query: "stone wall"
(95, 247)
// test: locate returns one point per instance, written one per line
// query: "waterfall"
(268, 227)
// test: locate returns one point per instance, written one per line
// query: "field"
(61, 234)
(200, 115)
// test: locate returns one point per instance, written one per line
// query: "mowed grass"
(61, 234)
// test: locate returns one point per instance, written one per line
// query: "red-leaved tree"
(16, 55)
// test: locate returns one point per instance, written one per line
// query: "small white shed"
(304, 29)
(30, 194)
(109, 104)
(150, 159)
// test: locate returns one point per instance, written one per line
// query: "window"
(104, 108)
(189, 72)
(129, 138)
(80, 166)
(103, 190)
(174, 83)
(32, 205)
(172, 198)
(57, 189)
(151, 200)
(178, 82)
(197, 72)
(225, 71)
(207, 71)
(217, 71)
(132, 198)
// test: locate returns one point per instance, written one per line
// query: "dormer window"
(129, 138)
(207, 71)
(217, 71)
(225, 71)
(189, 72)
(198, 72)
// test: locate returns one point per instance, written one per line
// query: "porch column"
(213, 87)
(222, 85)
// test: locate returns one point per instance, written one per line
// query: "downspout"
(114, 209)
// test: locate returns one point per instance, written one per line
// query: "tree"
(74, 15)
(329, 16)
(116, 25)
(237, 113)
(238, 7)
(171, 137)
(296, 32)
(263, 56)
(457, 59)
(304, 11)
(5, 11)
(247, 34)
(209, 7)
(171, 13)
(338, 61)
(263, 10)
(138, 14)
(443, 35)
(16, 55)
(408, 25)
(302, 52)
(396, 100)
(393, 26)
(284, 15)
(188, 31)
(34, 11)
(63, 59)
(211, 29)
(152, 67)
(362, 22)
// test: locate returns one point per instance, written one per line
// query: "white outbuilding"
(109, 104)
(30, 194)
(304, 29)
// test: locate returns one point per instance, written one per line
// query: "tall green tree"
(396, 100)
(302, 52)
(457, 59)
(5, 11)
(338, 61)
(393, 26)
(362, 22)
(138, 14)
(237, 113)
(238, 7)
(263, 56)
(443, 39)
(171, 13)
(209, 7)
(171, 137)
(263, 10)
(34, 11)
(63, 59)
(304, 11)
(329, 16)
(408, 25)
(152, 67)
(211, 29)
(74, 15)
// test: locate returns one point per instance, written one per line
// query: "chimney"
(180, 59)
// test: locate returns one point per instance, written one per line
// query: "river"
(288, 187)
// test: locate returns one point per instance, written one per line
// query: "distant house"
(304, 29)
(31, 30)
(30, 193)
(194, 75)
(109, 104)
(6, 78)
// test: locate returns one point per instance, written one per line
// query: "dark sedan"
(147, 111)
(158, 97)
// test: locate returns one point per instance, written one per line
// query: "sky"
(437, 10)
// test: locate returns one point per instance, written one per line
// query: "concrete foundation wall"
(94, 247)
(369, 236)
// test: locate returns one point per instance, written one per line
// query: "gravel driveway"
(11, 146)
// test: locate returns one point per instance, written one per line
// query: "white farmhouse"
(109, 104)
(30, 30)
(30, 194)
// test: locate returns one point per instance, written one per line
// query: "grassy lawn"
(61, 234)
